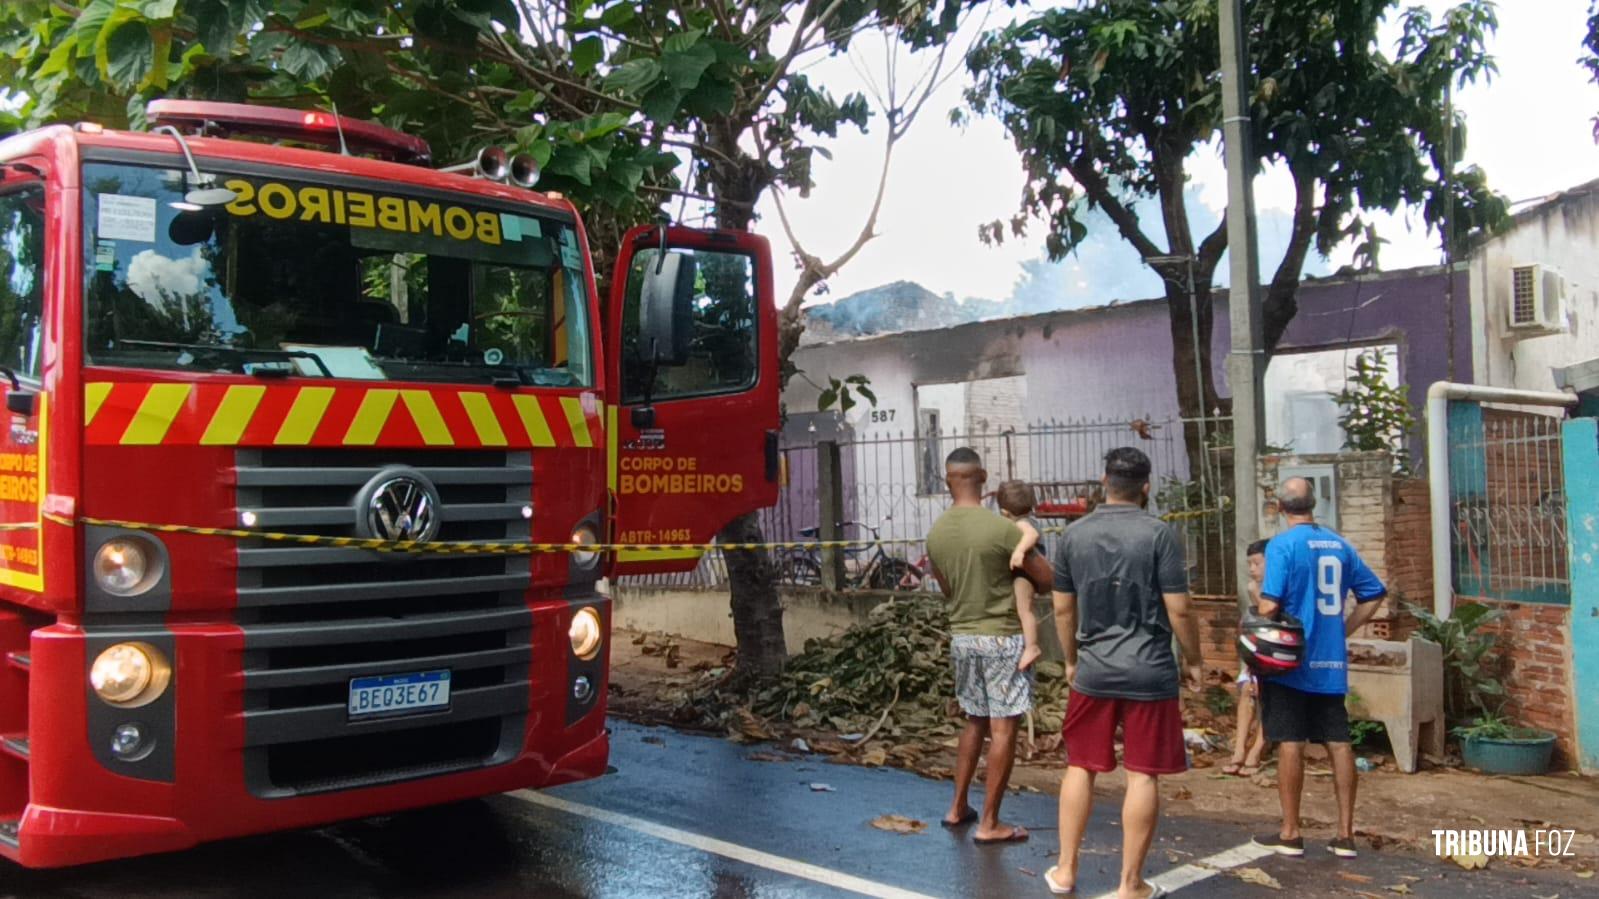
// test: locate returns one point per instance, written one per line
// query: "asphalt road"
(694, 816)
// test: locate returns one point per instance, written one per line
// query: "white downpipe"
(1438, 397)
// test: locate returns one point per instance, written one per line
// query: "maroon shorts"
(1152, 734)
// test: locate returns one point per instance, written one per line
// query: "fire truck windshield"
(346, 280)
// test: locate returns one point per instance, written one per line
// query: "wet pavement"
(694, 816)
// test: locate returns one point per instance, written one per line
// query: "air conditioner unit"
(1537, 299)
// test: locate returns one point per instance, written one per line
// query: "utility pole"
(1246, 364)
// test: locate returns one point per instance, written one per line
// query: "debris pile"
(889, 678)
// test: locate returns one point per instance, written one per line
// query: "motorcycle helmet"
(1271, 646)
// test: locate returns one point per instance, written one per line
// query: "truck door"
(693, 348)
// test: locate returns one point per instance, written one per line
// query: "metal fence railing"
(894, 483)
(1508, 505)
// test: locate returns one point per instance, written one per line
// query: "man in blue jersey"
(1309, 570)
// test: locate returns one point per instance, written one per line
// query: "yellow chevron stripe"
(484, 421)
(538, 430)
(232, 415)
(371, 417)
(300, 424)
(94, 393)
(429, 423)
(160, 406)
(611, 448)
(573, 407)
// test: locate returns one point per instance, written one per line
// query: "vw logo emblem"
(399, 504)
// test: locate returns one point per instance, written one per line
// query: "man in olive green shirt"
(970, 548)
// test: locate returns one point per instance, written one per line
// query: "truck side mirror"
(19, 401)
(22, 402)
(666, 311)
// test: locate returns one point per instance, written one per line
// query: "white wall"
(1300, 412)
(1561, 233)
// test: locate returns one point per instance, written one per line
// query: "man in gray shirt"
(1121, 592)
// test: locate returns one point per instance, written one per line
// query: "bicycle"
(880, 571)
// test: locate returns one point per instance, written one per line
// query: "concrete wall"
(1560, 232)
(704, 614)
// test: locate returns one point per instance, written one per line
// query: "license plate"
(392, 693)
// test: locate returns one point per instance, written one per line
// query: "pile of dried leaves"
(887, 680)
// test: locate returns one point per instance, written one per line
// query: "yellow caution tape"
(481, 547)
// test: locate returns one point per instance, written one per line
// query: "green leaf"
(586, 54)
(126, 52)
(618, 14)
(682, 41)
(712, 98)
(684, 68)
(634, 76)
(87, 29)
(214, 22)
(865, 391)
(525, 102)
(826, 400)
(308, 61)
(158, 9)
(662, 103)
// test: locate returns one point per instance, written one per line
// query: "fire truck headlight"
(586, 633)
(584, 534)
(130, 675)
(126, 566)
(129, 744)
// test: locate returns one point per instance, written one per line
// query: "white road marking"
(1205, 868)
(814, 873)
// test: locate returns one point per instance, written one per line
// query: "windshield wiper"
(504, 374)
(240, 353)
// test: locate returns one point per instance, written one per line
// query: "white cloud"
(152, 275)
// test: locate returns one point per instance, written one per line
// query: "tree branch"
(1098, 190)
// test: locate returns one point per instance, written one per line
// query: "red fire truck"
(249, 320)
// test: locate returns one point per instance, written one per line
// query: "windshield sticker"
(105, 255)
(358, 209)
(352, 362)
(126, 218)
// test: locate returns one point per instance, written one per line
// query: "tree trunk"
(752, 580)
(757, 610)
(1194, 399)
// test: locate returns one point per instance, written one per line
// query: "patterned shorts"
(987, 683)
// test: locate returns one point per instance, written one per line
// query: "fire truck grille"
(315, 618)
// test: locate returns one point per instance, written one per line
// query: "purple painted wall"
(1405, 307)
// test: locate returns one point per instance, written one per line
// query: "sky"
(1530, 128)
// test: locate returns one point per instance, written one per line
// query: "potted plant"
(1492, 745)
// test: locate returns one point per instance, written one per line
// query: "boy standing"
(970, 549)
(1249, 741)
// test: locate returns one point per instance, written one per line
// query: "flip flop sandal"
(1049, 881)
(1249, 771)
(1232, 767)
(1018, 834)
(966, 818)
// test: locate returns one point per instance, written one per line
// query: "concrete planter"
(1510, 755)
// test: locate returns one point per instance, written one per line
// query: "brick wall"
(1218, 633)
(1409, 556)
(1534, 639)
(1535, 643)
